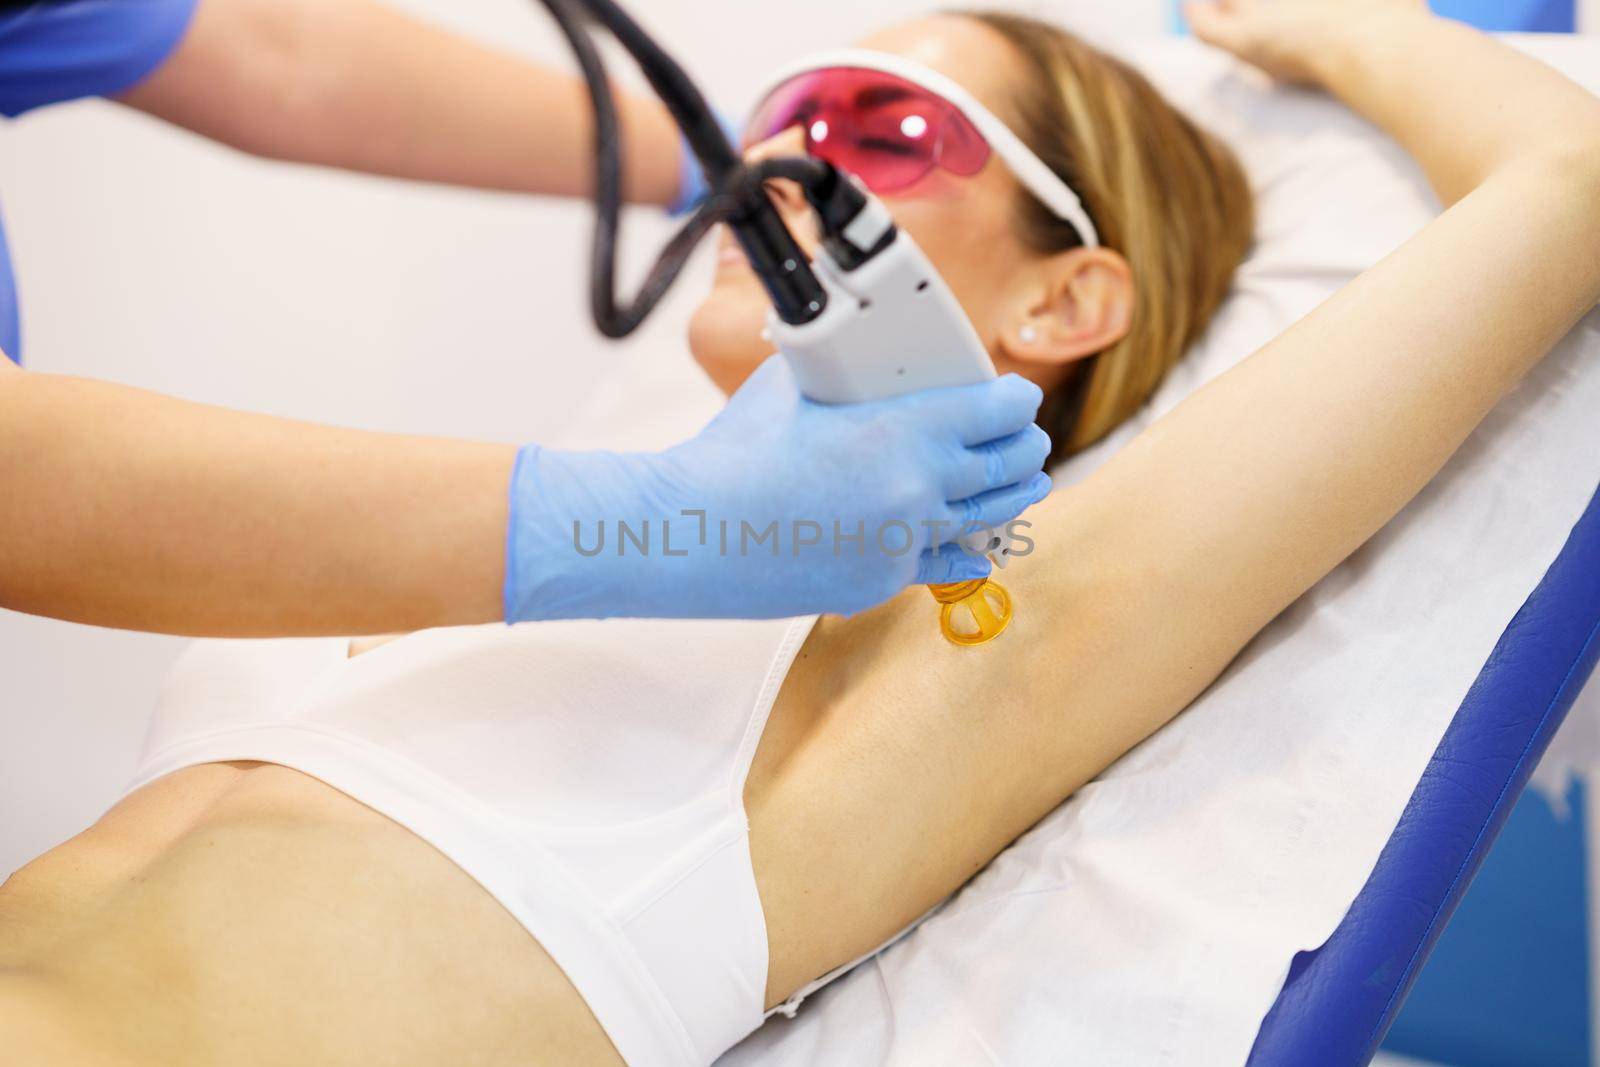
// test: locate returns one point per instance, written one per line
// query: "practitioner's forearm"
(357, 85)
(127, 509)
(1460, 102)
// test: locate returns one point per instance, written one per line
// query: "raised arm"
(1221, 514)
(1152, 574)
(354, 84)
(1463, 108)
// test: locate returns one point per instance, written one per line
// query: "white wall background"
(150, 258)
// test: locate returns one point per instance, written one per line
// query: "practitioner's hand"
(780, 507)
(1292, 39)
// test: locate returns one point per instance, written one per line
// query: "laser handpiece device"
(846, 323)
(890, 325)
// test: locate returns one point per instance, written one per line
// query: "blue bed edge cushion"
(1340, 999)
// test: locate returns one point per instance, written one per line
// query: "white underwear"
(590, 775)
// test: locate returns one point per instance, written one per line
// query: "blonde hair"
(1167, 195)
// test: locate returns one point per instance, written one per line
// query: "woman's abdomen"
(249, 913)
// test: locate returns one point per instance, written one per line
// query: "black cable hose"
(737, 195)
(611, 320)
(681, 96)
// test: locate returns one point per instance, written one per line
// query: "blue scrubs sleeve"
(57, 50)
(52, 51)
(10, 322)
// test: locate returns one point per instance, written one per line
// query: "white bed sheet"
(1152, 918)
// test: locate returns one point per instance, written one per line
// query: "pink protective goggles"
(885, 130)
(891, 122)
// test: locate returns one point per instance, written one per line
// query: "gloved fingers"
(996, 464)
(992, 510)
(950, 563)
(981, 412)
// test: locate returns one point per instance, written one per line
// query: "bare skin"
(359, 85)
(150, 513)
(246, 913)
(171, 931)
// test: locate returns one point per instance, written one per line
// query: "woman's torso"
(245, 910)
(293, 919)
(248, 913)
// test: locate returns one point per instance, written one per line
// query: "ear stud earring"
(1027, 335)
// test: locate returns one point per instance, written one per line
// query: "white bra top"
(590, 775)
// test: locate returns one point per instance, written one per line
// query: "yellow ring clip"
(985, 601)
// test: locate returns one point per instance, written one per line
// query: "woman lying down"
(627, 841)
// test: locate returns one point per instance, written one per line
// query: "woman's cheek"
(973, 246)
(725, 333)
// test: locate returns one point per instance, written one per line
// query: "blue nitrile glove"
(781, 506)
(692, 187)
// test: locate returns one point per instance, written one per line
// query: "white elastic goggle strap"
(1029, 169)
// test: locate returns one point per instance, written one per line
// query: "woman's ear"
(1072, 305)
